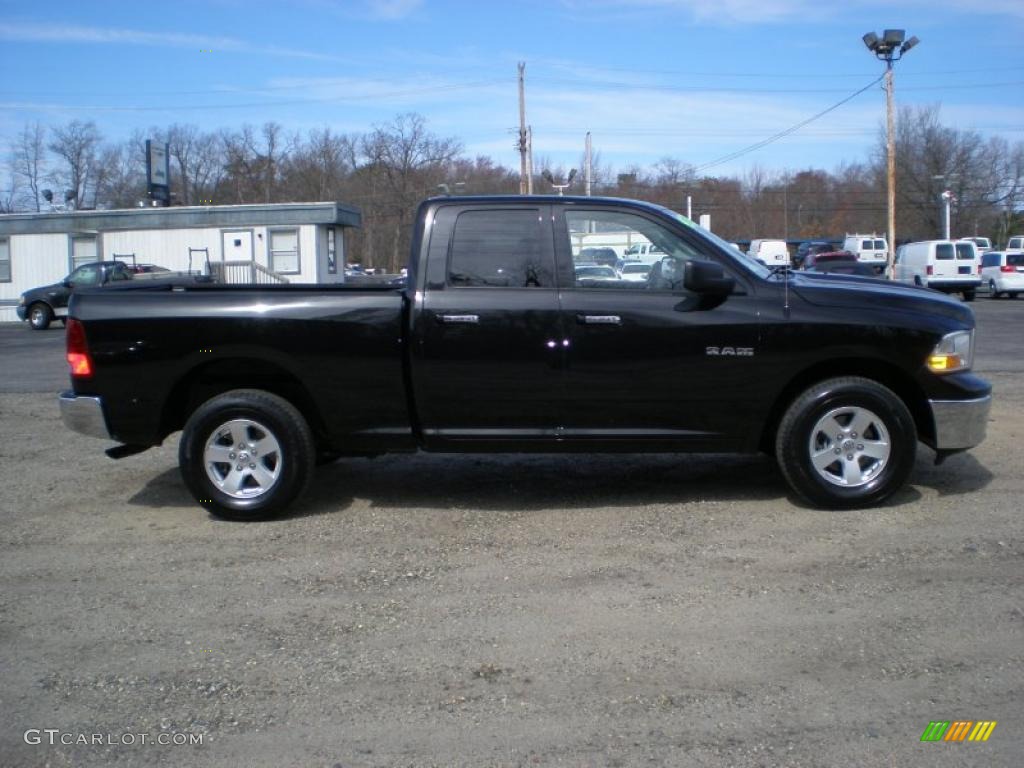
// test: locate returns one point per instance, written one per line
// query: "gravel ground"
(512, 611)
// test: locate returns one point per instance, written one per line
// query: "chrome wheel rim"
(242, 459)
(37, 315)
(849, 446)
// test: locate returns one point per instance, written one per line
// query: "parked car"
(40, 306)
(634, 271)
(1015, 243)
(605, 256)
(871, 249)
(811, 246)
(839, 262)
(715, 358)
(591, 272)
(769, 252)
(983, 243)
(951, 266)
(1003, 273)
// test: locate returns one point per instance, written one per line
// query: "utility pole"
(890, 47)
(588, 169)
(524, 175)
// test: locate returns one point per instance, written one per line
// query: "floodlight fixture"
(894, 37)
(48, 195)
(871, 40)
(909, 44)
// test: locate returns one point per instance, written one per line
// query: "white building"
(296, 242)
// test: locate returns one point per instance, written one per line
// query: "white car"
(1003, 273)
(594, 273)
(635, 271)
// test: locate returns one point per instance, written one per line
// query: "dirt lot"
(507, 611)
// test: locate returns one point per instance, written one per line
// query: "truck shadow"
(504, 482)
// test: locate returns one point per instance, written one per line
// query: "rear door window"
(1015, 259)
(866, 245)
(944, 251)
(879, 245)
(964, 251)
(499, 248)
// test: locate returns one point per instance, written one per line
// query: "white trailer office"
(291, 242)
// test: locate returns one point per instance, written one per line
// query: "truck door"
(650, 361)
(487, 339)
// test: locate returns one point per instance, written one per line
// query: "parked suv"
(1015, 243)
(812, 246)
(1003, 273)
(983, 243)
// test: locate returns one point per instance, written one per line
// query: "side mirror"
(707, 278)
(67, 283)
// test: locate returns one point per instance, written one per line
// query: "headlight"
(954, 353)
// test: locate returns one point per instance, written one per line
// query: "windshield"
(739, 257)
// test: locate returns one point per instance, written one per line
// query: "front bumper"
(960, 424)
(22, 311)
(84, 414)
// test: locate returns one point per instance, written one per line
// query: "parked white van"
(951, 266)
(1015, 243)
(770, 252)
(1003, 272)
(871, 249)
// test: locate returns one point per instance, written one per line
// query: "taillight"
(77, 349)
(1007, 268)
(979, 269)
(930, 270)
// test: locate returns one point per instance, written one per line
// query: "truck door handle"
(599, 319)
(464, 319)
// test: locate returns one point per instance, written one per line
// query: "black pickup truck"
(497, 344)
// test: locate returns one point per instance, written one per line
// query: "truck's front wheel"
(846, 443)
(246, 454)
(40, 316)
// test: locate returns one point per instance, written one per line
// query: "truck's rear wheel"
(969, 295)
(40, 316)
(846, 443)
(246, 454)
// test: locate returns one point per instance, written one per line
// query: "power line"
(788, 131)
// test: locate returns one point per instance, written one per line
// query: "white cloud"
(69, 33)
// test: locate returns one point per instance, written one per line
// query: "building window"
(332, 256)
(5, 260)
(284, 251)
(83, 250)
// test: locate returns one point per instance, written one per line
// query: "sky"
(697, 80)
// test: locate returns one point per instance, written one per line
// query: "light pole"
(560, 187)
(890, 47)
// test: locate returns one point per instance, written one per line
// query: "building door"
(236, 245)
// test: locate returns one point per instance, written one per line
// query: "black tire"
(40, 316)
(253, 415)
(969, 295)
(992, 292)
(918, 282)
(793, 442)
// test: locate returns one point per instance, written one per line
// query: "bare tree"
(76, 145)
(28, 161)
